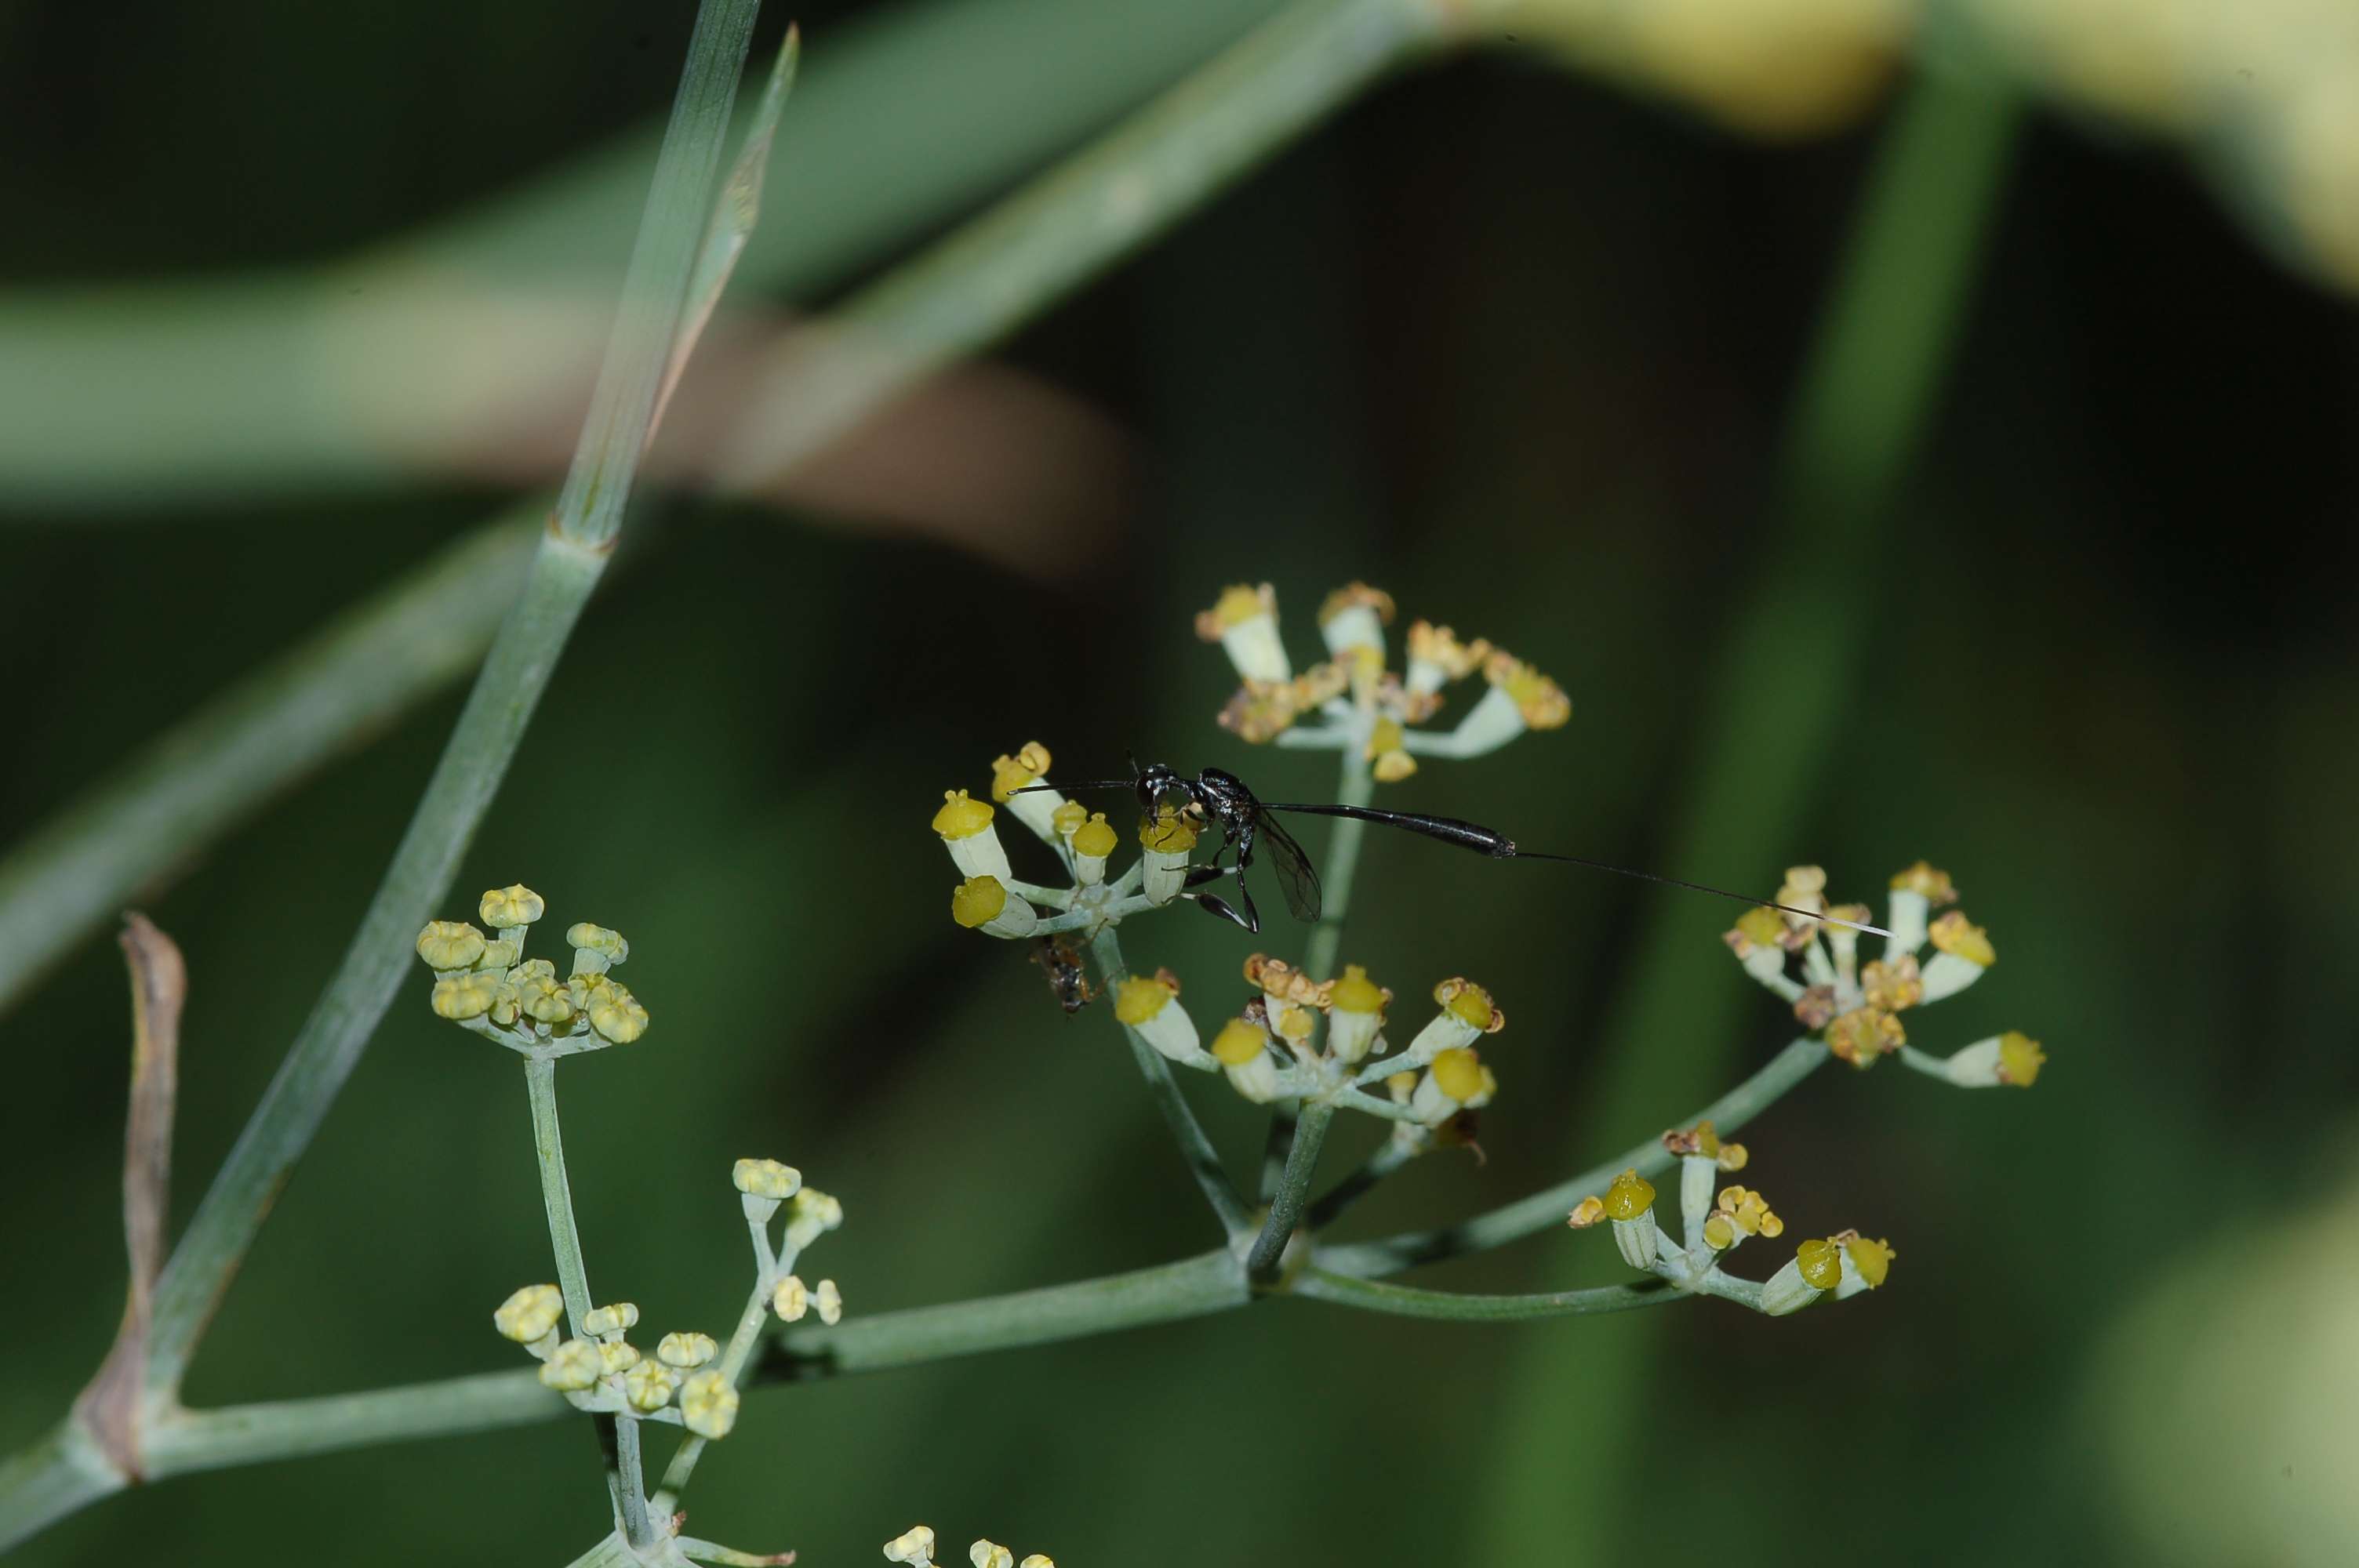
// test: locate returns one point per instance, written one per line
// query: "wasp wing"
(1296, 879)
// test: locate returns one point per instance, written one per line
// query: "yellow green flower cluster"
(1859, 1008)
(1357, 700)
(486, 983)
(1714, 1224)
(689, 1379)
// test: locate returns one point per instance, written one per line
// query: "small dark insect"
(1059, 957)
(1247, 826)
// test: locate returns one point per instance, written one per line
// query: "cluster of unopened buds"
(487, 985)
(915, 1547)
(1356, 700)
(1857, 1008)
(1714, 1221)
(691, 1380)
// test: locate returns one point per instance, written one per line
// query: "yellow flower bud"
(1239, 1041)
(530, 1314)
(985, 902)
(511, 906)
(450, 944)
(1009, 775)
(966, 831)
(961, 818)
(686, 1351)
(1952, 933)
(1539, 700)
(791, 1301)
(611, 1319)
(1718, 1232)
(1871, 1260)
(765, 1179)
(1864, 1035)
(616, 1014)
(1893, 985)
(2019, 1059)
(1391, 767)
(1140, 998)
(708, 1404)
(544, 999)
(618, 1354)
(1244, 620)
(1458, 1075)
(990, 1554)
(1926, 882)
(1820, 1262)
(1095, 837)
(814, 1215)
(1468, 1003)
(914, 1546)
(1070, 816)
(2012, 1058)
(828, 1302)
(1167, 833)
(1630, 1195)
(462, 997)
(573, 1367)
(648, 1386)
(582, 936)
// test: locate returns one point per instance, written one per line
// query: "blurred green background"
(1521, 346)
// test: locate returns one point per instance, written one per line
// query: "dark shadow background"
(1519, 348)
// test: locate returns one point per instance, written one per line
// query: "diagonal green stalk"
(1026, 252)
(1195, 1148)
(1293, 1191)
(1354, 785)
(557, 1194)
(564, 570)
(618, 1439)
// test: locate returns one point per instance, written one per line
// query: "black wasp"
(1247, 827)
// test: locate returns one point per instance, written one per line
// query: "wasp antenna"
(1069, 788)
(1699, 887)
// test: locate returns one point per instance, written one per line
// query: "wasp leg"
(1212, 904)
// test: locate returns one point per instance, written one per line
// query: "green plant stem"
(1262, 1264)
(1195, 1148)
(618, 1437)
(1408, 1301)
(1192, 1287)
(1525, 1216)
(735, 1359)
(1354, 785)
(564, 569)
(557, 1194)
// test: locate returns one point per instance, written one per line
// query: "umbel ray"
(1249, 824)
